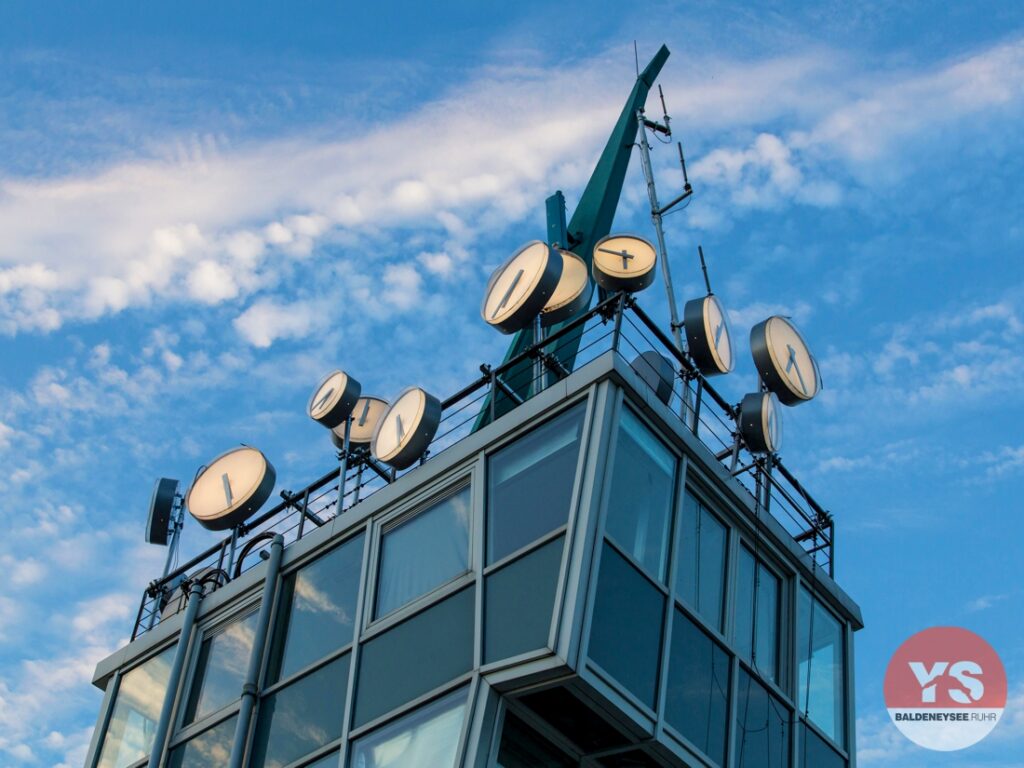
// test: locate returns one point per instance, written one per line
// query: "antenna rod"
(664, 109)
(682, 162)
(704, 268)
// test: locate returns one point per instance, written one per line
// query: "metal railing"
(615, 323)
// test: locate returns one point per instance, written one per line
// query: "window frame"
(724, 629)
(845, 700)
(785, 620)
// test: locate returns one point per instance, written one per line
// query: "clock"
(161, 507)
(231, 488)
(334, 399)
(760, 422)
(784, 361)
(406, 428)
(573, 292)
(657, 372)
(707, 335)
(519, 288)
(624, 263)
(365, 416)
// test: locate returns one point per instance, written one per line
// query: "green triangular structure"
(591, 221)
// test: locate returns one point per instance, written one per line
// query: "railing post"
(620, 307)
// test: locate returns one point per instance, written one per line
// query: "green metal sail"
(591, 221)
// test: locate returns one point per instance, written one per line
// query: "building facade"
(581, 582)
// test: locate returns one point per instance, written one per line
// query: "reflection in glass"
(757, 615)
(697, 700)
(529, 484)
(140, 697)
(815, 751)
(625, 638)
(327, 761)
(320, 606)
(301, 717)
(640, 499)
(762, 727)
(426, 738)
(424, 552)
(820, 673)
(221, 667)
(700, 573)
(522, 747)
(210, 749)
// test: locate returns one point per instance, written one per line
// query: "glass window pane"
(820, 673)
(816, 753)
(625, 638)
(426, 738)
(327, 761)
(210, 749)
(697, 699)
(140, 697)
(756, 630)
(640, 498)
(522, 747)
(320, 607)
(762, 727)
(529, 484)
(301, 717)
(424, 552)
(700, 574)
(221, 667)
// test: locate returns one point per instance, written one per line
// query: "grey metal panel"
(414, 657)
(519, 601)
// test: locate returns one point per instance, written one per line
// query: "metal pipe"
(344, 466)
(163, 726)
(249, 688)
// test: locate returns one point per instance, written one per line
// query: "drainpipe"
(249, 689)
(195, 596)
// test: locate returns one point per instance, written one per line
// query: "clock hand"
(366, 410)
(398, 424)
(508, 293)
(718, 333)
(626, 255)
(793, 364)
(324, 399)
(227, 489)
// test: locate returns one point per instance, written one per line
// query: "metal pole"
(666, 272)
(344, 466)
(231, 551)
(195, 596)
(249, 688)
(538, 364)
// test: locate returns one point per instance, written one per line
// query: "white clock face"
(791, 357)
(572, 292)
(516, 284)
(365, 416)
(716, 326)
(771, 423)
(229, 489)
(399, 424)
(624, 262)
(327, 394)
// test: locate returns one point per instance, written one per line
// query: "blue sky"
(203, 207)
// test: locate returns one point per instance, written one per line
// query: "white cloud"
(267, 321)
(211, 283)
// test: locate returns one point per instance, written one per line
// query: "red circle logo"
(945, 688)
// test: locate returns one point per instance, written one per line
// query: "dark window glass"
(529, 484)
(424, 552)
(426, 738)
(762, 727)
(415, 657)
(756, 634)
(210, 749)
(820, 672)
(578, 722)
(221, 667)
(640, 499)
(700, 573)
(632, 759)
(815, 752)
(522, 747)
(625, 637)
(327, 761)
(519, 601)
(140, 697)
(697, 700)
(319, 607)
(301, 717)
